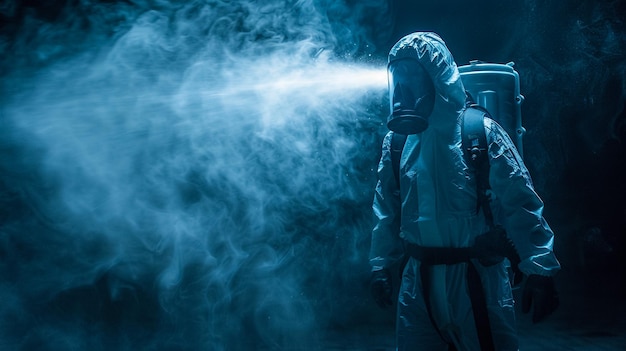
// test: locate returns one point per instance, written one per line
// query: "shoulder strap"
(397, 144)
(473, 135)
(474, 142)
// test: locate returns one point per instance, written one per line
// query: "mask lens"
(411, 96)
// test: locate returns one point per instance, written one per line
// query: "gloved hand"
(539, 291)
(381, 287)
(492, 247)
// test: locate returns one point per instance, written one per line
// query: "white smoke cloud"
(192, 175)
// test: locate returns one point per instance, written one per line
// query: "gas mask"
(411, 96)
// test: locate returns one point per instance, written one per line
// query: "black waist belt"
(440, 255)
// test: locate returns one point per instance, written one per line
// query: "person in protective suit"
(449, 298)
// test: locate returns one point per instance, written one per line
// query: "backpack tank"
(496, 88)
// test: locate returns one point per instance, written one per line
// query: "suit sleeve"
(517, 205)
(386, 246)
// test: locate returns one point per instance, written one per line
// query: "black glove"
(517, 275)
(487, 250)
(539, 291)
(492, 247)
(381, 288)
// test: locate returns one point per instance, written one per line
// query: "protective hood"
(418, 64)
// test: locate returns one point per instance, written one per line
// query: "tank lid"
(478, 65)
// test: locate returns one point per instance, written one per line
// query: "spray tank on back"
(496, 88)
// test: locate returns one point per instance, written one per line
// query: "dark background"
(156, 195)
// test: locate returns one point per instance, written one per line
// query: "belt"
(440, 255)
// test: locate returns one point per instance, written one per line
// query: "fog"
(187, 175)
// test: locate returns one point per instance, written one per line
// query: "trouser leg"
(414, 329)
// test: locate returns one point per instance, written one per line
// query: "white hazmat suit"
(435, 206)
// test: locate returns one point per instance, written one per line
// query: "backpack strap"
(474, 142)
(397, 144)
